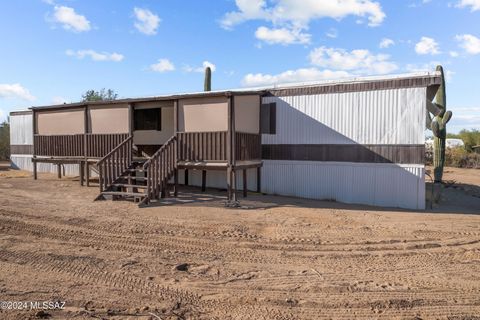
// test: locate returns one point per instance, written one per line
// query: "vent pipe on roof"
(208, 79)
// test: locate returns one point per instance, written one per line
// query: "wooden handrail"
(114, 150)
(114, 164)
(160, 168)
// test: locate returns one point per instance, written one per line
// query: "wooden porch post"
(259, 180)
(234, 185)
(130, 118)
(34, 130)
(186, 177)
(87, 173)
(175, 180)
(204, 180)
(229, 183)
(34, 162)
(81, 170)
(176, 152)
(59, 171)
(244, 183)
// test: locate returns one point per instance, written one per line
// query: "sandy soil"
(274, 258)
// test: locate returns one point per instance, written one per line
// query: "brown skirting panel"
(356, 87)
(407, 154)
(21, 149)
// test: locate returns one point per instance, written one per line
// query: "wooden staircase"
(141, 180)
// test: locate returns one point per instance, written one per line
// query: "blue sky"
(54, 50)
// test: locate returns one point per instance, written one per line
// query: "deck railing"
(115, 163)
(99, 145)
(160, 168)
(59, 145)
(73, 145)
(212, 146)
(202, 146)
(248, 146)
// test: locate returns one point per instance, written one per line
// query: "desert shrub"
(461, 158)
(4, 140)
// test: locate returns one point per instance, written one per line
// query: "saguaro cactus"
(439, 129)
(208, 79)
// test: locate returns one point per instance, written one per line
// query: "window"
(148, 119)
(268, 118)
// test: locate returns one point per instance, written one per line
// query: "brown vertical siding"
(402, 154)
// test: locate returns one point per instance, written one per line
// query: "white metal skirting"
(388, 185)
(218, 179)
(24, 162)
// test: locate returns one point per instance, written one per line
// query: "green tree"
(101, 95)
(5, 140)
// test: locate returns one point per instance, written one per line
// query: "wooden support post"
(244, 183)
(80, 173)
(204, 180)
(59, 171)
(234, 185)
(186, 177)
(175, 180)
(87, 173)
(259, 179)
(229, 183)
(34, 162)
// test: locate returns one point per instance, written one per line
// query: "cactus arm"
(428, 121)
(435, 128)
(446, 117)
(434, 108)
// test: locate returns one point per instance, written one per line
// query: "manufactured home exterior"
(354, 141)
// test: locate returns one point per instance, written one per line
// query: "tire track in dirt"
(81, 269)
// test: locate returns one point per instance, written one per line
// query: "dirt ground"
(273, 258)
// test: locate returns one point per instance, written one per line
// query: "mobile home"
(355, 141)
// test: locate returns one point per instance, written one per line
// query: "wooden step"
(135, 170)
(126, 185)
(123, 194)
(124, 177)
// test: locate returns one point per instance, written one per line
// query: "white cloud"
(282, 36)
(163, 65)
(469, 43)
(430, 66)
(147, 22)
(15, 91)
(58, 100)
(300, 13)
(453, 54)
(474, 4)
(70, 20)
(386, 42)
(332, 33)
(290, 18)
(299, 75)
(427, 45)
(358, 61)
(205, 64)
(95, 56)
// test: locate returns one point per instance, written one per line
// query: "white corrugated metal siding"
(21, 129)
(376, 184)
(371, 117)
(24, 162)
